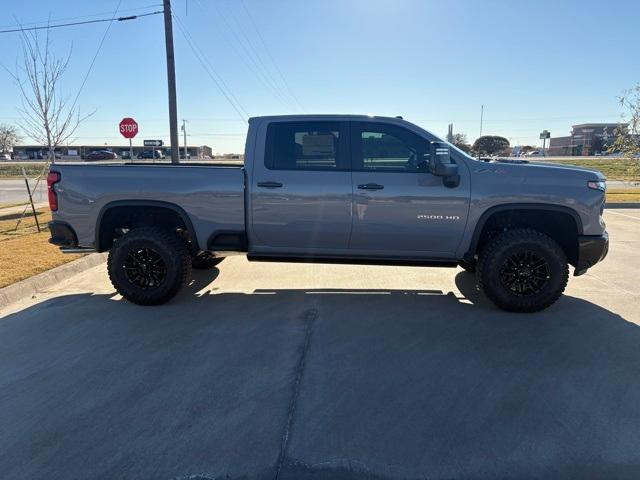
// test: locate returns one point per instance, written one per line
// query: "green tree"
(490, 145)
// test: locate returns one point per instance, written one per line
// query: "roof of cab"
(324, 116)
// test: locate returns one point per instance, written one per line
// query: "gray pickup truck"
(337, 188)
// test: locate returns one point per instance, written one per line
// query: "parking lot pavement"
(314, 371)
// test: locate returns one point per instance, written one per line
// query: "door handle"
(370, 186)
(269, 184)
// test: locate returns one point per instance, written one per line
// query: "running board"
(356, 261)
(77, 250)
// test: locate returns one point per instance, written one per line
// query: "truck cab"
(336, 187)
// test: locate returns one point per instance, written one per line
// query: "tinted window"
(382, 147)
(304, 146)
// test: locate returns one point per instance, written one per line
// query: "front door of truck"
(399, 206)
(301, 191)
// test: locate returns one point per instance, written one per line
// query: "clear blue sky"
(533, 64)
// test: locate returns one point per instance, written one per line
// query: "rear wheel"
(205, 260)
(523, 270)
(148, 266)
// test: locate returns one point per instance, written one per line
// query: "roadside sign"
(153, 143)
(128, 127)
(544, 135)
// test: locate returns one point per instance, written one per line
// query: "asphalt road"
(283, 371)
(14, 191)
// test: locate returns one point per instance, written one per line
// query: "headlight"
(597, 185)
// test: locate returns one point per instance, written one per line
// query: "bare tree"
(9, 136)
(627, 134)
(460, 141)
(48, 117)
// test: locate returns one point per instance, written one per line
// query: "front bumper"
(591, 250)
(62, 235)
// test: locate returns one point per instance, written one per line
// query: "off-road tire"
(493, 259)
(468, 266)
(205, 261)
(168, 246)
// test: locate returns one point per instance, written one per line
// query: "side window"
(304, 146)
(388, 148)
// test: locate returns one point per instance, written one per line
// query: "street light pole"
(171, 80)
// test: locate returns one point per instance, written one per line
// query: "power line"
(95, 56)
(102, 20)
(219, 82)
(65, 19)
(266, 49)
(254, 51)
(244, 53)
(215, 76)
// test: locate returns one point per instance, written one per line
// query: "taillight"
(52, 179)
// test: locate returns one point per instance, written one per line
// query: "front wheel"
(523, 270)
(148, 266)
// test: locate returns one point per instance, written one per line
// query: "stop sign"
(128, 127)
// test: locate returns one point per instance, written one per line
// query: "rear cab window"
(315, 145)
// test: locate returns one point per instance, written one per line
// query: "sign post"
(129, 129)
(153, 143)
(543, 136)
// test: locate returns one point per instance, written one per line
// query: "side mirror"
(440, 163)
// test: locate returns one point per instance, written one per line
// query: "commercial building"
(585, 139)
(78, 152)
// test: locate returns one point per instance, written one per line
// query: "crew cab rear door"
(399, 207)
(301, 189)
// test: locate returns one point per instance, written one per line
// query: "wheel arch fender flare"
(488, 213)
(145, 203)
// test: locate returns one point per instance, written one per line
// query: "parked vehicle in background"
(101, 155)
(146, 154)
(535, 153)
(5, 156)
(337, 188)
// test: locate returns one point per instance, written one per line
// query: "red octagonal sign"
(128, 127)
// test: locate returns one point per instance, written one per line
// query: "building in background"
(586, 139)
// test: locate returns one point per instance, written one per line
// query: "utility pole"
(481, 118)
(171, 78)
(184, 133)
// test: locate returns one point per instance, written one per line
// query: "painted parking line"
(623, 215)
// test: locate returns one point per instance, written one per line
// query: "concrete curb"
(34, 285)
(622, 205)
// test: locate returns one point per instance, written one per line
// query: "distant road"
(14, 191)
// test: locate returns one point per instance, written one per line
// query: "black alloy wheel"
(145, 268)
(525, 273)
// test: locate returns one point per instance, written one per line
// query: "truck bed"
(211, 195)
